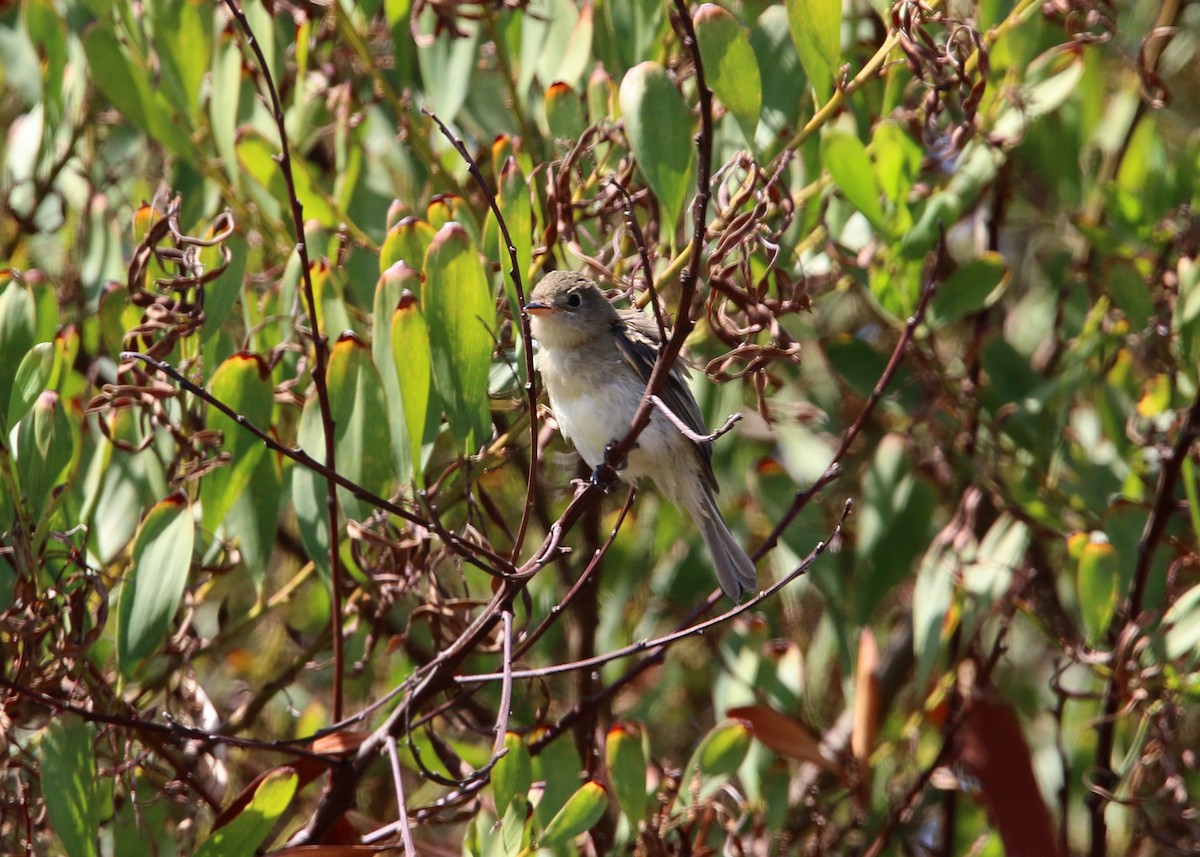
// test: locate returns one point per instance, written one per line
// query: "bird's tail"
(735, 570)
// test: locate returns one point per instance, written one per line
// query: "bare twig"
(687, 432)
(320, 355)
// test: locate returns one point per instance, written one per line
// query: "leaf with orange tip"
(785, 735)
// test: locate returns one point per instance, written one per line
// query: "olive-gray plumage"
(595, 361)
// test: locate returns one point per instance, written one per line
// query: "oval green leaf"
(70, 785)
(243, 382)
(844, 155)
(581, 812)
(242, 836)
(512, 774)
(716, 760)
(659, 128)
(1099, 581)
(458, 306)
(730, 65)
(816, 27)
(972, 287)
(153, 587)
(626, 762)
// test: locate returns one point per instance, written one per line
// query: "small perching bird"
(595, 361)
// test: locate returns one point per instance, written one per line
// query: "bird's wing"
(639, 343)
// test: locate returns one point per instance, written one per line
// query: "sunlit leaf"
(627, 769)
(513, 773)
(580, 814)
(69, 784)
(244, 384)
(730, 66)
(816, 27)
(844, 155)
(243, 836)
(153, 586)
(715, 760)
(659, 127)
(457, 304)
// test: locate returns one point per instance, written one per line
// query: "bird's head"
(567, 308)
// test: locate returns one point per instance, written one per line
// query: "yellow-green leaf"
(659, 128)
(581, 812)
(730, 65)
(153, 586)
(243, 382)
(457, 302)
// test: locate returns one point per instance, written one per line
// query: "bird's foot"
(621, 463)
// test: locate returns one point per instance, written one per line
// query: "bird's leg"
(600, 473)
(623, 462)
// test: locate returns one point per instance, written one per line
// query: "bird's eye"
(574, 300)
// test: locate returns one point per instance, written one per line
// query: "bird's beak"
(538, 308)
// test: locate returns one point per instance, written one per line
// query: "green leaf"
(897, 160)
(512, 774)
(659, 127)
(730, 65)
(557, 766)
(977, 168)
(816, 27)
(408, 241)
(626, 762)
(414, 369)
(514, 829)
(636, 26)
(48, 445)
(1182, 623)
(579, 815)
(1185, 322)
(458, 306)
(844, 155)
(244, 834)
(447, 62)
(258, 159)
(17, 323)
(715, 760)
(125, 81)
(556, 43)
(518, 216)
(784, 85)
(243, 382)
(972, 287)
(69, 784)
(153, 586)
(932, 597)
(33, 375)
(1099, 581)
(253, 520)
(564, 115)
(226, 83)
(183, 41)
(48, 33)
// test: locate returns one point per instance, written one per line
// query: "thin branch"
(461, 546)
(320, 354)
(885, 379)
(401, 803)
(644, 252)
(687, 432)
(659, 643)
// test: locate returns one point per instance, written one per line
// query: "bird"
(595, 360)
